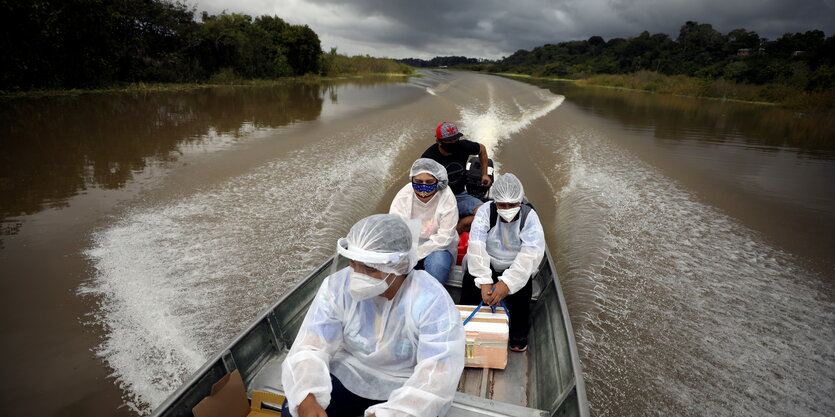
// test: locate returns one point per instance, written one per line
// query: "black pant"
(518, 304)
(344, 403)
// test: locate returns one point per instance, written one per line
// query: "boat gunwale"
(579, 380)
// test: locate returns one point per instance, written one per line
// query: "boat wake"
(671, 293)
(175, 282)
(432, 81)
(493, 122)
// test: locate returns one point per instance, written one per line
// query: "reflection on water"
(677, 118)
(54, 148)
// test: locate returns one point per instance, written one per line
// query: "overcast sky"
(496, 28)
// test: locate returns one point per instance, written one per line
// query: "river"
(141, 232)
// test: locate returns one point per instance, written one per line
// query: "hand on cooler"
(495, 295)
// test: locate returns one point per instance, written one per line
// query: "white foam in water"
(176, 282)
(433, 82)
(693, 314)
(493, 123)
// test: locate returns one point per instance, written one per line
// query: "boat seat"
(504, 393)
(507, 385)
(466, 405)
(268, 378)
(456, 275)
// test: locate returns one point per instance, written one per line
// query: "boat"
(545, 381)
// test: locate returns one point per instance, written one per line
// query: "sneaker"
(519, 345)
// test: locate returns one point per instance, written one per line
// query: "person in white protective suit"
(429, 200)
(380, 339)
(506, 246)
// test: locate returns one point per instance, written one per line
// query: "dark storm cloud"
(491, 28)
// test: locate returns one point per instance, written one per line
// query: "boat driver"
(380, 338)
(506, 246)
(453, 152)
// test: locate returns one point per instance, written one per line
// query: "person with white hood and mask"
(379, 339)
(506, 246)
(428, 200)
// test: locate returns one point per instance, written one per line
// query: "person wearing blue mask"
(452, 153)
(507, 244)
(379, 338)
(428, 201)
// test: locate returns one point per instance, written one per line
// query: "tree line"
(95, 43)
(440, 61)
(801, 60)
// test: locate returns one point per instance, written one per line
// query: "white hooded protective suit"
(408, 351)
(438, 218)
(515, 252)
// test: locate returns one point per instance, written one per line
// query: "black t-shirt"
(456, 163)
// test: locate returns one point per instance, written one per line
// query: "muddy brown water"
(140, 233)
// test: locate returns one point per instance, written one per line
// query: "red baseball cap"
(447, 131)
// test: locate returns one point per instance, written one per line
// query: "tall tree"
(701, 47)
(303, 49)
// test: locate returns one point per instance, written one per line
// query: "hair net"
(381, 241)
(507, 189)
(431, 167)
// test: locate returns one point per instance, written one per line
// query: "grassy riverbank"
(217, 81)
(337, 64)
(769, 94)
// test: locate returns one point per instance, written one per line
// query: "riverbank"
(142, 87)
(720, 89)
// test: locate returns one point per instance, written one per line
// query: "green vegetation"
(152, 87)
(721, 88)
(68, 44)
(334, 64)
(682, 85)
(795, 70)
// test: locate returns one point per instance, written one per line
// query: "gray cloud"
(492, 28)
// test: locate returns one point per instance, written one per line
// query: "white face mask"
(362, 287)
(509, 214)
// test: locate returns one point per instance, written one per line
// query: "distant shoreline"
(141, 87)
(581, 83)
(684, 86)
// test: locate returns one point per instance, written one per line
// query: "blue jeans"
(466, 204)
(437, 264)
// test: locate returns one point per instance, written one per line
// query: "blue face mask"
(424, 190)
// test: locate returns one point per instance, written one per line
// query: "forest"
(65, 44)
(699, 50)
(699, 61)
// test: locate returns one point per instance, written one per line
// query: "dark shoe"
(518, 344)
